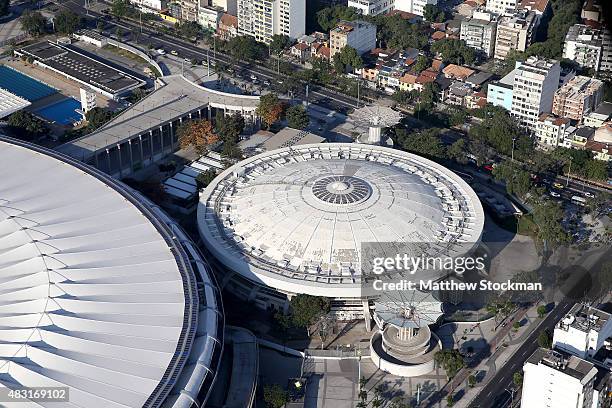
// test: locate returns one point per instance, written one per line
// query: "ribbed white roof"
(91, 294)
(296, 218)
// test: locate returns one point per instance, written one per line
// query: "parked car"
(558, 185)
(173, 52)
(588, 194)
(161, 51)
(555, 194)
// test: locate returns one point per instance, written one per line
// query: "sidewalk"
(503, 346)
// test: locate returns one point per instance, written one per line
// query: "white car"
(161, 51)
(555, 194)
(590, 195)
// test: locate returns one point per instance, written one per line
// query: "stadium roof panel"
(98, 295)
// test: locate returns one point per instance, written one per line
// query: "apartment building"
(209, 16)
(479, 34)
(583, 45)
(584, 330)
(189, 10)
(264, 18)
(606, 50)
(229, 6)
(514, 32)
(359, 34)
(500, 93)
(413, 6)
(578, 97)
(501, 6)
(554, 379)
(372, 7)
(535, 83)
(550, 131)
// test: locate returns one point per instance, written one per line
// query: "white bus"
(578, 200)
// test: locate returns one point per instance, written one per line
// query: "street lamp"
(569, 171)
(513, 140)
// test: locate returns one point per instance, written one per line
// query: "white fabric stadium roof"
(93, 294)
(296, 219)
(11, 103)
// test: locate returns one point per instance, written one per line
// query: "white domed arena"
(293, 220)
(100, 291)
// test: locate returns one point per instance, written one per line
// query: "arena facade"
(294, 220)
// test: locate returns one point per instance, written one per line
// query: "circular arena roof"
(296, 218)
(98, 289)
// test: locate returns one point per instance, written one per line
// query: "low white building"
(550, 131)
(372, 7)
(208, 16)
(555, 379)
(413, 6)
(149, 5)
(583, 331)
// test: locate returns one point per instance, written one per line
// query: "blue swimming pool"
(22, 85)
(63, 112)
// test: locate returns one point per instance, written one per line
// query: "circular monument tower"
(375, 118)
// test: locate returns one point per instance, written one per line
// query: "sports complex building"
(295, 220)
(101, 291)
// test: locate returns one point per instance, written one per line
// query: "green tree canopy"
(422, 63)
(433, 14)
(246, 48)
(454, 51)
(26, 125)
(97, 117)
(547, 216)
(229, 129)
(517, 378)
(450, 360)
(544, 339)
(121, 8)
(32, 23)
(67, 22)
(347, 58)
(328, 17)
(425, 142)
(203, 179)
(458, 151)
(297, 117)
(279, 43)
(275, 396)
(518, 180)
(306, 309)
(270, 108)
(189, 29)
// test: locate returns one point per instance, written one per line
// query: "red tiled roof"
(408, 78)
(301, 46)
(404, 14)
(324, 52)
(539, 5)
(436, 64)
(424, 79)
(598, 147)
(457, 71)
(438, 35)
(229, 20)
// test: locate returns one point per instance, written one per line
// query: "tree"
(347, 59)
(433, 14)
(189, 29)
(425, 142)
(547, 215)
(599, 204)
(541, 311)
(297, 117)
(450, 360)
(275, 396)
(595, 170)
(67, 22)
(203, 179)
(119, 33)
(458, 151)
(328, 17)
(458, 116)
(120, 8)
(100, 25)
(229, 129)
(516, 325)
(270, 108)
(306, 309)
(544, 339)
(517, 378)
(279, 43)
(471, 381)
(245, 47)
(33, 23)
(454, 51)
(450, 400)
(518, 181)
(422, 63)
(26, 125)
(198, 134)
(97, 117)
(4, 7)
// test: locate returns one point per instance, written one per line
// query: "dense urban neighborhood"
(306, 203)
